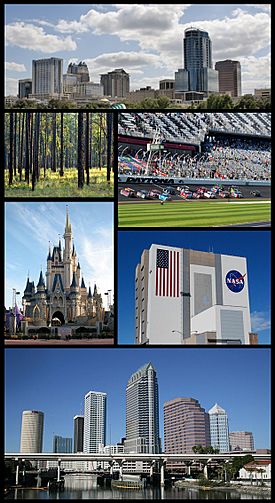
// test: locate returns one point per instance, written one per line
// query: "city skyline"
(26, 252)
(246, 400)
(123, 35)
(132, 243)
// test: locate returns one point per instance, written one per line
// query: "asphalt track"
(245, 190)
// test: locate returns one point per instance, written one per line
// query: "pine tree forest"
(61, 154)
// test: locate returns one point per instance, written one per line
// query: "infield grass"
(193, 213)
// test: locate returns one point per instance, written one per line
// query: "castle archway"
(58, 318)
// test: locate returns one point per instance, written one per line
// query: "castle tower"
(74, 298)
(49, 270)
(67, 253)
(78, 274)
(40, 309)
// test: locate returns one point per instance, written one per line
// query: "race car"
(183, 187)
(224, 194)
(128, 192)
(186, 194)
(165, 197)
(154, 194)
(142, 193)
(169, 190)
(199, 193)
(255, 193)
(235, 192)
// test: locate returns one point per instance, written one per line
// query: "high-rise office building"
(24, 88)
(78, 433)
(32, 431)
(186, 296)
(229, 77)
(186, 424)
(219, 428)
(62, 444)
(197, 73)
(241, 441)
(80, 70)
(94, 421)
(47, 77)
(116, 83)
(142, 412)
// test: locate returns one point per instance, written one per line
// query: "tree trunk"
(22, 146)
(27, 155)
(61, 147)
(15, 144)
(80, 151)
(11, 149)
(109, 144)
(87, 149)
(54, 142)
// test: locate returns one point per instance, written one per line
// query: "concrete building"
(78, 433)
(47, 78)
(94, 421)
(116, 83)
(62, 444)
(80, 70)
(32, 431)
(142, 412)
(229, 77)
(186, 296)
(241, 441)
(262, 93)
(24, 88)
(256, 471)
(219, 432)
(186, 424)
(197, 73)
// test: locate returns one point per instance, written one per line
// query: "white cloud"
(29, 36)
(260, 321)
(256, 73)
(15, 67)
(263, 6)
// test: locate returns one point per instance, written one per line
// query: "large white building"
(186, 296)
(219, 432)
(47, 78)
(94, 422)
(32, 431)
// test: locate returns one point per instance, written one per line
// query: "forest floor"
(54, 185)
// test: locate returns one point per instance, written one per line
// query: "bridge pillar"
(205, 471)
(120, 462)
(162, 467)
(111, 463)
(58, 470)
(17, 472)
(153, 462)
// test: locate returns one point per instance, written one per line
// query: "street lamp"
(14, 293)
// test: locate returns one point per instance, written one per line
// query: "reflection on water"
(85, 487)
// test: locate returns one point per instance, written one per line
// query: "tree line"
(41, 141)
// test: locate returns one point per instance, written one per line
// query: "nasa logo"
(235, 281)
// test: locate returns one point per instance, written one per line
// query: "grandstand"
(224, 146)
(192, 127)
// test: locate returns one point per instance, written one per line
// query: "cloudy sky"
(144, 39)
(30, 226)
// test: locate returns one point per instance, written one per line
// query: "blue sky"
(56, 380)
(30, 226)
(109, 36)
(254, 245)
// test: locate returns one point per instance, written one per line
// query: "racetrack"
(192, 213)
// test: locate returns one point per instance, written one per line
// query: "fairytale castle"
(64, 298)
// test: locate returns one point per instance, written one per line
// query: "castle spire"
(68, 227)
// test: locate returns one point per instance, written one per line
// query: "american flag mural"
(167, 273)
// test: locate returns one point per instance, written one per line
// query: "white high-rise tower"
(32, 431)
(219, 432)
(94, 421)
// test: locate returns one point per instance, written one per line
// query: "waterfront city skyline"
(132, 243)
(59, 393)
(109, 36)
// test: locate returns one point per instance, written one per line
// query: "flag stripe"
(167, 273)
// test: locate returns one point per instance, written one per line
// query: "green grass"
(54, 185)
(192, 214)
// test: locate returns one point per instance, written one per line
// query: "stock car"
(199, 193)
(183, 187)
(144, 194)
(169, 190)
(255, 193)
(235, 192)
(155, 193)
(165, 197)
(224, 194)
(186, 193)
(128, 192)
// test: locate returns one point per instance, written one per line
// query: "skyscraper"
(78, 433)
(62, 444)
(198, 74)
(80, 70)
(142, 412)
(229, 77)
(219, 428)
(186, 424)
(94, 421)
(241, 441)
(116, 83)
(47, 77)
(32, 431)
(186, 296)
